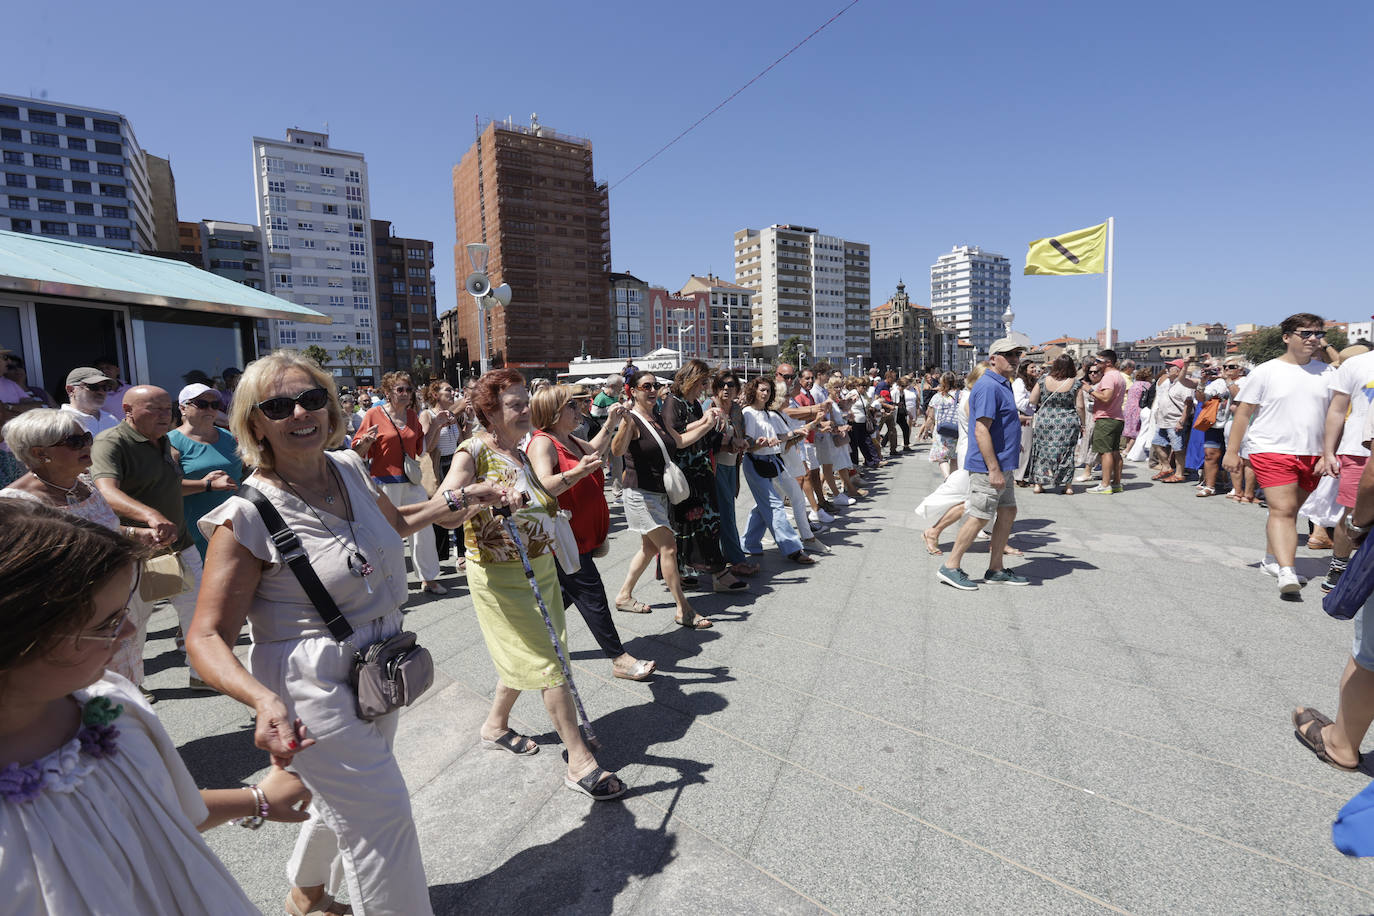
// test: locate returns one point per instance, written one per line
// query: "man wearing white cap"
(88, 390)
(995, 427)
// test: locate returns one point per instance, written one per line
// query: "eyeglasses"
(74, 441)
(646, 387)
(283, 407)
(786, 378)
(108, 632)
(205, 404)
(1231, 366)
(104, 386)
(729, 385)
(401, 389)
(1308, 335)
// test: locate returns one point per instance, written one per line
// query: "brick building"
(406, 303)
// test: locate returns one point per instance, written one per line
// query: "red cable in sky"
(731, 96)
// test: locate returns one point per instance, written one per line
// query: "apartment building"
(77, 172)
(969, 290)
(313, 208)
(908, 338)
(730, 317)
(530, 193)
(678, 321)
(406, 303)
(807, 285)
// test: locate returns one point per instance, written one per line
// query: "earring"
(46, 459)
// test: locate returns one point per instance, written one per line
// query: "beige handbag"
(164, 576)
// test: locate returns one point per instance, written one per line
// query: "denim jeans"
(769, 512)
(726, 476)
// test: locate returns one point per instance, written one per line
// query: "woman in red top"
(570, 469)
(389, 433)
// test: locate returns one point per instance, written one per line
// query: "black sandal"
(512, 741)
(603, 790)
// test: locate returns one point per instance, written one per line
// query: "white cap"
(193, 391)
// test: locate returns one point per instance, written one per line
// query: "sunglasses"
(1231, 366)
(401, 389)
(1308, 335)
(786, 378)
(729, 385)
(205, 403)
(283, 407)
(107, 388)
(647, 387)
(74, 441)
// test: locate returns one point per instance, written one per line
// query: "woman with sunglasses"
(643, 441)
(396, 433)
(286, 417)
(762, 466)
(444, 423)
(98, 812)
(56, 449)
(729, 445)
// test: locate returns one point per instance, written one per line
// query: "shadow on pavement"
(225, 759)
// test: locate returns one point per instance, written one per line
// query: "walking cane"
(503, 512)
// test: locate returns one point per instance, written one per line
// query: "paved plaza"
(854, 737)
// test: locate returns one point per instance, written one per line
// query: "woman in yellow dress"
(512, 626)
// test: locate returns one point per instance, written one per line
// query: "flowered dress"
(1133, 394)
(696, 520)
(1057, 428)
(512, 626)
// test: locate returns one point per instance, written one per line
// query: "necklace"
(72, 498)
(328, 497)
(357, 562)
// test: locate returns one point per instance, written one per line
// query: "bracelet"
(254, 821)
(456, 503)
(207, 485)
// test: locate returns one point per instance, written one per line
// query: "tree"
(318, 353)
(1264, 344)
(787, 353)
(420, 369)
(351, 357)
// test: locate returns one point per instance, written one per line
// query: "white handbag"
(565, 542)
(674, 481)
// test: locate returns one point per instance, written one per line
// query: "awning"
(39, 266)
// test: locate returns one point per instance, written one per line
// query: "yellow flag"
(1082, 251)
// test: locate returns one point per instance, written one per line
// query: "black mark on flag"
(1073, 258)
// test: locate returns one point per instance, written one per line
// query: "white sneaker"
(1289, 582)
(1272, 568)
(843, 499)
(819, 515)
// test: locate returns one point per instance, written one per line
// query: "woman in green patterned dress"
(514, 630)
(1058, 421)
(696, 520)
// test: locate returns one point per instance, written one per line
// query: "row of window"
(79, 208)
(83, 230)
(278, 164)
(41, 161)
(39, 116)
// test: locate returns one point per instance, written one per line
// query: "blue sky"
(1231, 141)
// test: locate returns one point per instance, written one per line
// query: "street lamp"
(680, 315)
(478, 286)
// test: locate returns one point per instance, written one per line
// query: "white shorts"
(810, 456)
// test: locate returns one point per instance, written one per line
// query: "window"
(276, 186)
(19, 203)
(363, 321)
(416, 254)
(416, 272)
(42, 117)
(353, 177)
(82, 208)
(13, 158)
(310, 280)
(275, 202)
(52, 206)
(419, 308)
(329, 209)
(77, 143)
(360, 285)
(110, 212)
(279, 243)
(334, 265)
(277, 223)
(332, 227)
(84, 231)
(109, 168)
(306, 227)
(301, 166)
(49, 184)
(359, 267)
(314, 336)
(47, 162)
(350, 193)
(358, 248)
(332, 245)
(327, 171)
(16, 181)
(335, 283)
(9, 111)
(419, 289)
(80, 165)
(104, 127)
(337, 302)
(112, 190)
(355, 230)
(48, 228)
(81, 187)
(286, 337)
(276, 165)
(42, 139)
(340, 338)
(364, 337)
(282, 280)
(398, 286)
(21, 225)
(328, 189)
(363, 303)
(305, 243)
(12, 134)
(355, 213)
(76, 121)
(112, 149)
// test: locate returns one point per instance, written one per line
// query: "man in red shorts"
(1343, 454)
(1286, 398)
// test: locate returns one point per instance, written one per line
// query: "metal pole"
(482, 333)
(1111, 240)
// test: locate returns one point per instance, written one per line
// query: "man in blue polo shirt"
(995, 448)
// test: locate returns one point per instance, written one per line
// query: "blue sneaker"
(957, 578)
(1005, 577)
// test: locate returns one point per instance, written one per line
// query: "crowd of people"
(224, 490)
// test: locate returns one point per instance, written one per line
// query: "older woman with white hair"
(56, 449)
(287, 419)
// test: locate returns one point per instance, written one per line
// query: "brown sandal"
(1307, 726)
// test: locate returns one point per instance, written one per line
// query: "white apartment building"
(807, 285)
(969, 290)
(314, 211)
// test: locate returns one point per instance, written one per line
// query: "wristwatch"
(1354, 529)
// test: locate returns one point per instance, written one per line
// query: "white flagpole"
(1111, 233)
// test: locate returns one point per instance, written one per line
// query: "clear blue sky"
(1230, 140)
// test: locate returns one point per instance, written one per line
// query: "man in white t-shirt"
(87, 391)
(1343, 451)
(1220, 383)
(1287, 399)
(1171, 398)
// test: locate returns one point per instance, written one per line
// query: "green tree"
(351, 356)
(420, 369)
(1267, 343)
(787, 353)
(318, 353)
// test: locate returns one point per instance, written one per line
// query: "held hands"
(164, 532)
(287, 797)
(443, 418)
(1328, 466)
(362, 443)
(616, 412)
(278, 734)
(589, 464)
(220, 480)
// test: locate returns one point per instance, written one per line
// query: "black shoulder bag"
(386, 675)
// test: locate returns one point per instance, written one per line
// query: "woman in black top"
(643, 441)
